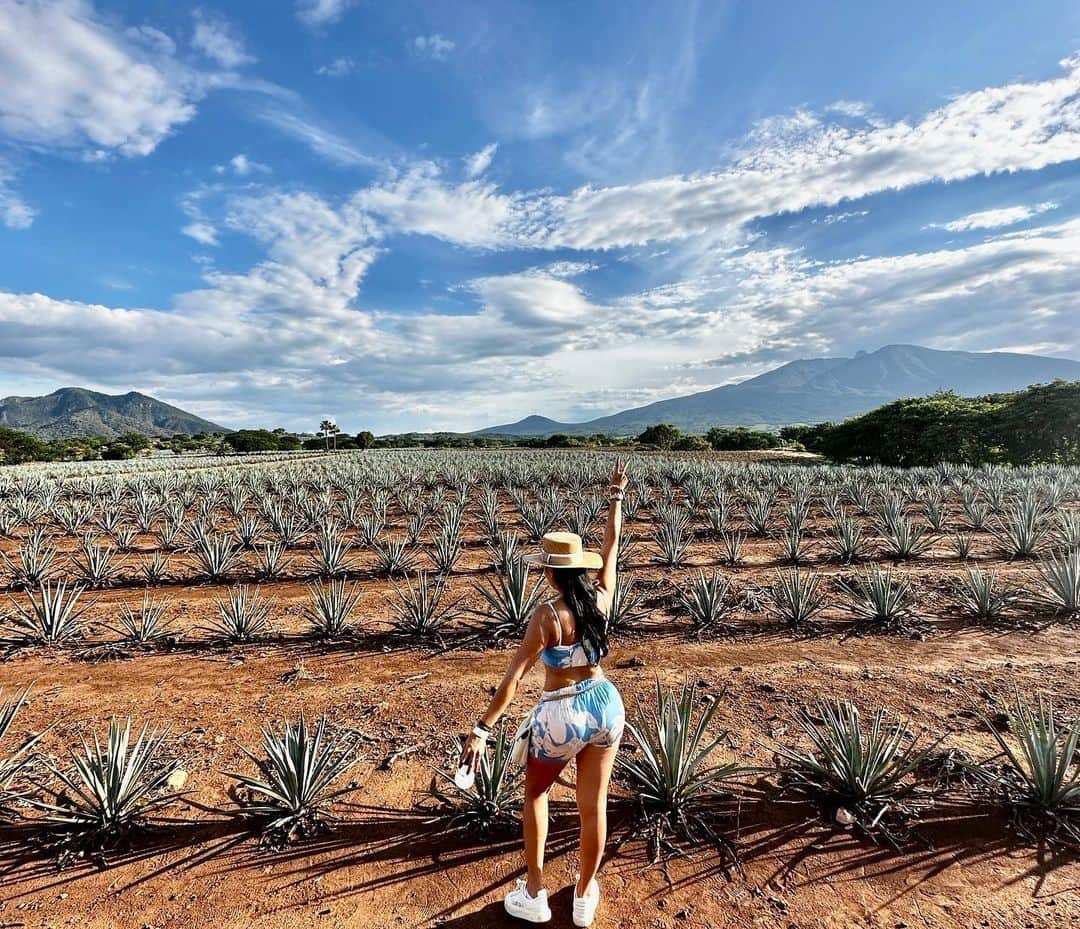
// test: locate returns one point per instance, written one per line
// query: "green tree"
(252, 440)
(690, 443)
(662, 435)
(365, 439)
(1040, 424)
(18, 447)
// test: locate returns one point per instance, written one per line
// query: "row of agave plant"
(423, 608)
(867, 773)
(334, 530)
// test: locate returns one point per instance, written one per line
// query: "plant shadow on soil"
(780, 845)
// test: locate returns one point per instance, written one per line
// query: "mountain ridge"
(812, 390)
(76, 411)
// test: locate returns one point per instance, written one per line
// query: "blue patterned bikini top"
(564, 656)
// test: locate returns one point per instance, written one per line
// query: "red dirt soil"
(382, 868)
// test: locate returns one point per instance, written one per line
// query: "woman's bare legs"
(594, 766)
(539, 776)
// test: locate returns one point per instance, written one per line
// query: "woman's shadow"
(493, 915)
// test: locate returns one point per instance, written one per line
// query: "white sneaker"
(585, 907)
(531, 909)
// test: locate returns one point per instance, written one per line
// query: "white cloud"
(316, 13)
(241, 166)
(478, 162)
(788, 164)
(471, 213)
(73, 83)
(324, 142)
(994, 219)
(15, 213)
(218, 40)
(435, 46)
(339, 67)
(201, 232)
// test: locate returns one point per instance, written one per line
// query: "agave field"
(232, 690)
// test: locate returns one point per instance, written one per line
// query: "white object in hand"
(464, 777)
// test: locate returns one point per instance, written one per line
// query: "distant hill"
(72, 411)
(814, 390)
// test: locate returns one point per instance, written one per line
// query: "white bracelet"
(481, 734)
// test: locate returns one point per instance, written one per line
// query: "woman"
(580, 715)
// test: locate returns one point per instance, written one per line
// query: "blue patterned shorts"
(589, 712)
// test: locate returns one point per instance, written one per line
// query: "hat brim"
(588, 560)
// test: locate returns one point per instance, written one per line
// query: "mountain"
(72, 411)
(813, 390)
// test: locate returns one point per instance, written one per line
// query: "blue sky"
(418, 216)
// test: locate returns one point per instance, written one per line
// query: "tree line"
(1037, 425)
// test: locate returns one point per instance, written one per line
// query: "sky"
(419, 216)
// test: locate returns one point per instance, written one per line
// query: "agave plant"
(492, 806)
(329, 611)
(1062, 579)
(503, 550)
(759, 515)
(672, 537)
(731, 547)
(52, 616)
(294, 792)
(35, 561)
(795, 597)
(864, 776)
(110, 791)
(1024, 530)
(394, 558)
(793, 547)
(1040, 781)
(676, 785)
(706, 599)
(330, 556)
(446, 548)
(242, 616)
(880, 600)
(847, 542)
(97, 565)
(625, 610)
(963, 542)
(981, 596)
(510, 601)
(1067, 530)
(13, 760)
(271, 561)
(420, 611)
(145, 625)
(904, 539)
(216, 555)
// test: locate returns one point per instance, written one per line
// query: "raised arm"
(524, 658)
(610, 549)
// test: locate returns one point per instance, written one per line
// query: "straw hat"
(564, 550)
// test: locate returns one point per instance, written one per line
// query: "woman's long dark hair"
(580, 596)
